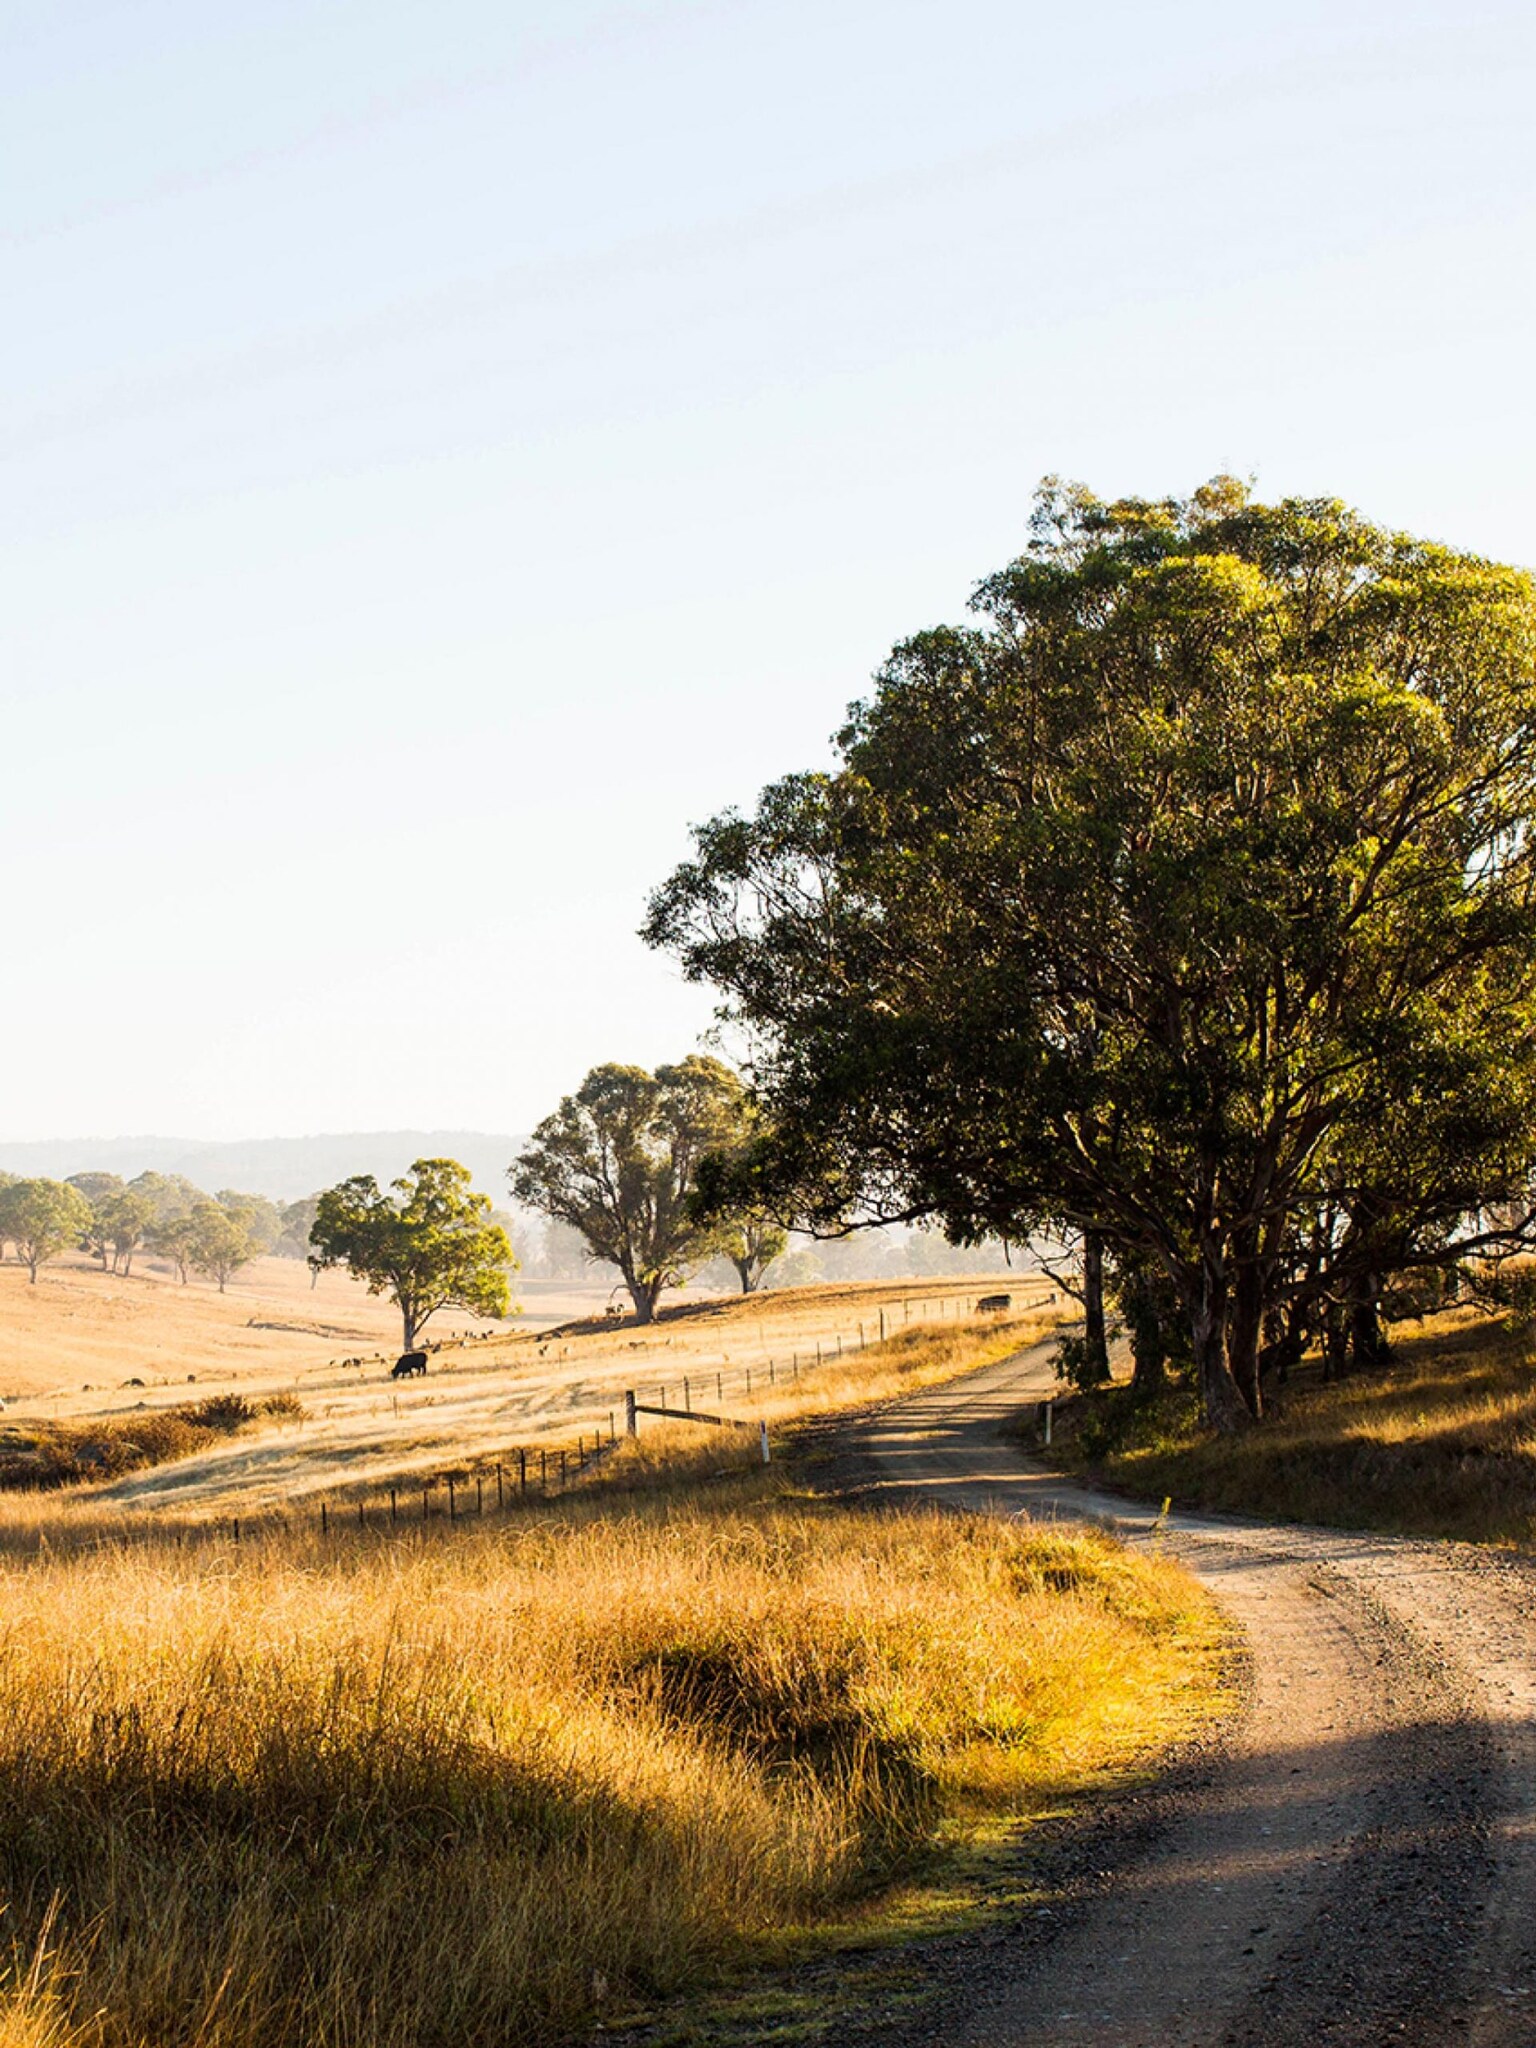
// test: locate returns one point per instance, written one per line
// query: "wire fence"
(521, 1475)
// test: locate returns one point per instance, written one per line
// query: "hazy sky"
(451, 448)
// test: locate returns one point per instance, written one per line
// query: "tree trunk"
(1224, 1407)
(408, 1327)
(31, 1270)
(1149, 1351)
(1367, 1340)
(644, 1293)
(1095, 1338)
(744, 1272)
(1245, 1327)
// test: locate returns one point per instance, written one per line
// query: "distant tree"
(97, 1188)
(120, 1220)
(218, 1243)
(263, 1219)
(618, 1161)
(172, 1240)
(751, 1245)
(168, 1194)
(298, 1219)
(429, 1244)
(563, 1252)
(801, 1268)
(42, 1218)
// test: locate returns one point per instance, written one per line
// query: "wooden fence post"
(325, 1527)
(522, 1471)
(500, 1501)
(453, 1512)
(687, 1397)
(762, 1437)
(392, 1511)
(631, 1424)
(423, 1503)
(479, 1495)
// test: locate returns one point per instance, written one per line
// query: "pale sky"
(449, 449)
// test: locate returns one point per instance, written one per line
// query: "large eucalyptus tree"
(1191, 888)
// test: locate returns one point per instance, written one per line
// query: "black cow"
(408, 1364)
(994, 1304)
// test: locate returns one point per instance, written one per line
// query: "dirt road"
(1359, 1867)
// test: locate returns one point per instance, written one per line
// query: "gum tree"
(618, 1162)
(43, 1218)
(1140, 905)
(428, 1242)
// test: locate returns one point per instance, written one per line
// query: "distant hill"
(283, 1168)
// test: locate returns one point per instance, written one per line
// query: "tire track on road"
(1359, 1868)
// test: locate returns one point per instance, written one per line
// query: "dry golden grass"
(360, 1432)
(1442, 1442)
(493, 1789)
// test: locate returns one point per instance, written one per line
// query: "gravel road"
(1357, 1866)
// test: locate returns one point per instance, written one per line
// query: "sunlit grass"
(1442, 1442)
(495, 1785)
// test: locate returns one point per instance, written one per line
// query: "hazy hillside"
(283, 1168)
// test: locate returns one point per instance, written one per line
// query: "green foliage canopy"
(428, 1242)
(1187, 895)
(618, 1161)
(42, 1218)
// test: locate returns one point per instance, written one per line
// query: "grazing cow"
(994, 1304)
(614, 1312)
(408, 1364)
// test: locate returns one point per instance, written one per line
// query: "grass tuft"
(496, 1790)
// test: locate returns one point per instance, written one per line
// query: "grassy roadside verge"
(505, 1787)
(1441, 1442)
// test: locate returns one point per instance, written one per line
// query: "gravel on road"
(1356, 1865)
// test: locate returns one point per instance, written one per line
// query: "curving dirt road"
(1359, 1865)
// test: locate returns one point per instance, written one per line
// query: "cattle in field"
(408, 1364)
(994, 1304)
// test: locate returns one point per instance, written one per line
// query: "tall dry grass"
(488, 1790)
(1441, 1442)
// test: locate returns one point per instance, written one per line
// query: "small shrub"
(223, 1412)
(285, 1408)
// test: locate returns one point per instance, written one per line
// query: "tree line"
(1183, 908)
(164, 1214)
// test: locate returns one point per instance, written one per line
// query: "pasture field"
(329, 1429)
(1439, 1442)
(505, 1784)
